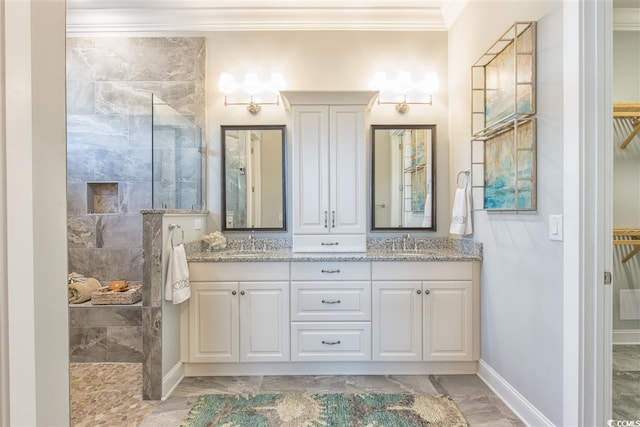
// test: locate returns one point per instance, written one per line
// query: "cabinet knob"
(241, 292)
(233, 292)
(427, 291)
(419, 292)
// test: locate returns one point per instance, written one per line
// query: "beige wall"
(326, 61)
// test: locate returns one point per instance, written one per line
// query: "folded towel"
(461, 218)
(80, 291)
(177, 287)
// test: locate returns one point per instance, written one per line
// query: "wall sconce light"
(403, 91)
(252, 92)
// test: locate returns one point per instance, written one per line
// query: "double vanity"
(376, 312)
(333, 300)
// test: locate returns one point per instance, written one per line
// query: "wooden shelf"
(628, 239)
(628, 111)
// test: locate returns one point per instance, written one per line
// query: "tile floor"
(626, 382)
(476, 401)
(110, 393)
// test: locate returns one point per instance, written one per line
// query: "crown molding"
(195, 15)
(626, 19)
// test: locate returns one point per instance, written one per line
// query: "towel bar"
(172, 228)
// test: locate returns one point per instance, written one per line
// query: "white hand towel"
(461, 218)
(177, 288)
(426, 220)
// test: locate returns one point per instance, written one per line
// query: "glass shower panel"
(177, 159)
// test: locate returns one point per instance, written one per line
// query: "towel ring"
(466, 181)
(172, 228)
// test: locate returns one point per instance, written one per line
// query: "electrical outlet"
(197, 224)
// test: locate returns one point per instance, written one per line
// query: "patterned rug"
(324, 410)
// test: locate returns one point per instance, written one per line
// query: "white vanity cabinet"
(426, 311)
(329, 178)
(239, 312)
(331, 311)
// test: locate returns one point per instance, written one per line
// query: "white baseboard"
(172, 379)
(626, 336)
(528, 413)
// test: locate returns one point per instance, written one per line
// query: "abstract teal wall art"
(510, 168)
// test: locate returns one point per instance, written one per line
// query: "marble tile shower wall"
(109, 129)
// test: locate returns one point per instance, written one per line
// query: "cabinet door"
(397, 321)
(264, 321)
(447, 308)
(214, 330)
(347, 170)
(311, 170)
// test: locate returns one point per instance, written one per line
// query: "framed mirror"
(403, 177)
(253, 178)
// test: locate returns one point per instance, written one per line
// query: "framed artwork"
(503, 81)
(504, 169)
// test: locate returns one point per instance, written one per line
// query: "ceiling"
(156, 16)
(212, 15)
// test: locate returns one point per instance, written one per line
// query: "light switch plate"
(197, 225)
(555, 227)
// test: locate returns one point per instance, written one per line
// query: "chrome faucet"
(405, 239)
(252, 240)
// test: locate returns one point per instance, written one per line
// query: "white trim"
(330, 368)
(629, 336)
(172, 379)
(626, 19)
(4, 329)
(247, 19)
(526, 411)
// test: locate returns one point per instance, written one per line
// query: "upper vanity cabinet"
(253, 164)
(403, 177)
(329, 170)
(329, 182)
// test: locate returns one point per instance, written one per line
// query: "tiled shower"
(119, 161)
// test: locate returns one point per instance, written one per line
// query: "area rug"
(324, 410)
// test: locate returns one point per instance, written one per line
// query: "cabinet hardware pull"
(333, 219)
(330, 243)
(330, 342)
(419, 292)
(330, 271)
(326, 219)
(330, 301)
(233, 292)
(427, 291)
(241, 292)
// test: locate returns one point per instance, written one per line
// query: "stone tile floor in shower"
(109, 394)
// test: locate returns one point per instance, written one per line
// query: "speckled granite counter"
(436, 249)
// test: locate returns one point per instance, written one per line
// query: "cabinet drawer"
(422, 270)
(331, 271)
(238, 271)
(331, 301)
(330, 243)
(330, 341)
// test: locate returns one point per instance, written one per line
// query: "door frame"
(588, 211)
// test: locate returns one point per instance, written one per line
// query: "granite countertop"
(378, 254)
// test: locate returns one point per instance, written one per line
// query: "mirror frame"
(373, 178)
(223, 131)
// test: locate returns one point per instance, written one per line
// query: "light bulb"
(227, 84)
